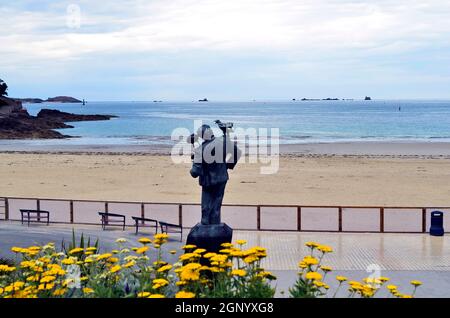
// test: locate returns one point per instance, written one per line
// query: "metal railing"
(310, 218)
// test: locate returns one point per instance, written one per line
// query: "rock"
(368, 98)
(203, 100)
(17, 123)
(63, 99)
(56, 115)
(30, 100)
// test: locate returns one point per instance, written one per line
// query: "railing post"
(258, 217)
(340, 219)
(38, 207)
(299, 218)
(106, 207)
(381, 220)
(6, 209)
(142, 210)
(424, 220)
(71, 211)
(180, 215)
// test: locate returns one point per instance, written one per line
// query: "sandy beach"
(397, 175)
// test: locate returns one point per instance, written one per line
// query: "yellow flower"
(416, 283)
(68, 261)
(91, 249)
(312, 244)
(188, 256)
(313, 276)
(159, 282)
(326, 268)
(209, 255)
(142, 250)
(407, 296)
(391, 287)
(265, 274)
(325, 249)
(341, 278)
(46, 286)
(184, 294)
(319, 284)
(76, 250)
(199, 251)
(143, 294)
(181, 283)
(238, 272)
(173, 252)
(310, 260)
(59, 292)
(383, 279)
(104, 256)
(156, 296)
(115, 269)
(165, 268)
(144, 240)
(112, 260)
(189, 247)
(190, 272)
(226, 245)
(7, 269)
(88, 290)
(241, 242)
(47, 279)
(129, 264)
(121, 240)
(251, 259)
(16, 249)
(302, 265)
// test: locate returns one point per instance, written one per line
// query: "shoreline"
(364, 149)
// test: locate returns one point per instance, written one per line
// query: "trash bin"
(437, 223)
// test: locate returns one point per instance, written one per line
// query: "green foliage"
(81, 244)
(3, 88)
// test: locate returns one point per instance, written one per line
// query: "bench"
(140, 221)
(171, 228)
(37, 216)
(115, 219)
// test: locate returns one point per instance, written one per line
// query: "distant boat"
(84, 102)
(368, 98)
(203, 100)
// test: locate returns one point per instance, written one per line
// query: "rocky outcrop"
(58, 116)
(17, 123)
(30, 100)
(63, 99)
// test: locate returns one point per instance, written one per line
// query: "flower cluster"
(232, 272)
(312, 274)
(129, 271)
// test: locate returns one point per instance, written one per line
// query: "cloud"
(289, 35)
(270, 25)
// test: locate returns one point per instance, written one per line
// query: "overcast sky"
(226, 49)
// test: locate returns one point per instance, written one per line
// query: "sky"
(226, 50)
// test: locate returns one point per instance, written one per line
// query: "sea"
(147, 123)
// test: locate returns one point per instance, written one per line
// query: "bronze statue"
(211, 161)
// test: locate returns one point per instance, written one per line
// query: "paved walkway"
(402, 257)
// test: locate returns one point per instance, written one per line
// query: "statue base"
(210, 237)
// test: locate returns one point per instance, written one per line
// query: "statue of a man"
(211, 163)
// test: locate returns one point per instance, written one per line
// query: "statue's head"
(205, 132)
